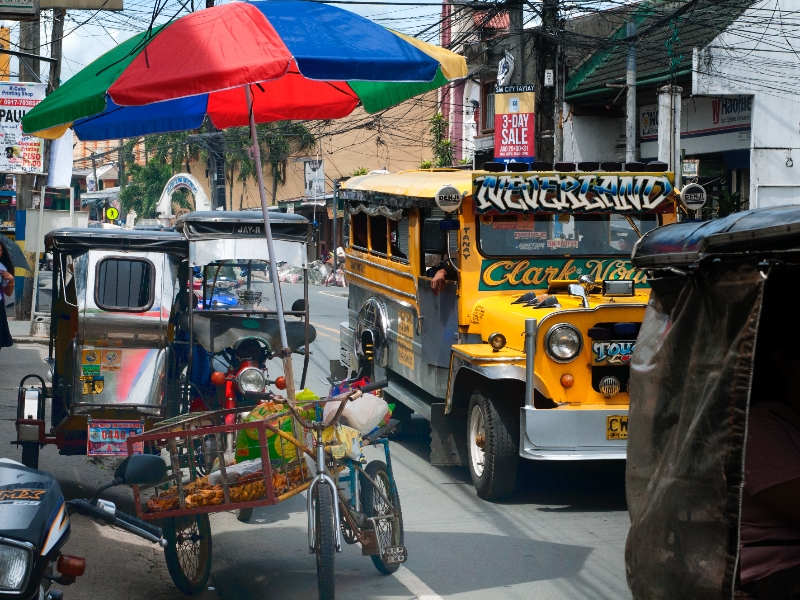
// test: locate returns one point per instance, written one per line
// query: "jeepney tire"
(498, 477)
(372, 505)
(30, 454)
(199, 544)
(325, 542)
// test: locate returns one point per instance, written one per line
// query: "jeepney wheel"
(373, 505)
(492, 430)
(30, 454)
(325, 542)
(188, 552)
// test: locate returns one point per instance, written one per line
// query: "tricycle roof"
(209, 225)
(756, 232)
(74, 239)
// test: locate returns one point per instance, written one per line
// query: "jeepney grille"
(616, 349)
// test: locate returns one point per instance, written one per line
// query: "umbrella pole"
(286, 353)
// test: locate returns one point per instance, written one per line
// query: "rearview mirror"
(434, 239)
(141, 469)
(299, 305)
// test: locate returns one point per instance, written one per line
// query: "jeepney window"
(378, 235)
(358, 230)
(125, 284)
(398, 239)
(561, 235)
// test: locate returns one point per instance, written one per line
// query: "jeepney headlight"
(250, 379)
(497, 341)
(563, 343)
(15, 560)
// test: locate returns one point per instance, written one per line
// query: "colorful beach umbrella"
(302, 60)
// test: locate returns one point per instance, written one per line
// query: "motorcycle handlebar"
(119, 519)
(371, 387)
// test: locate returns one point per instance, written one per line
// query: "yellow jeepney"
(525, 350)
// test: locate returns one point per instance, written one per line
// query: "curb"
(31, 340)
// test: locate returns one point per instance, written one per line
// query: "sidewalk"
(21, 332)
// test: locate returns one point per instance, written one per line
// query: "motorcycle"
(34, 525)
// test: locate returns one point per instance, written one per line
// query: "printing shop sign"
(19, 153)
(513, 123)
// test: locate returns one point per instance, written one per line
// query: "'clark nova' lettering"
(537, 273)
(602, 192)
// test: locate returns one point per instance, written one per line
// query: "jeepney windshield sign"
(578, 192)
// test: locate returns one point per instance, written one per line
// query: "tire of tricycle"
(493, 446)
(188, 552)
(325, 542)
(374, 506)
(30, 454)
(244, 514)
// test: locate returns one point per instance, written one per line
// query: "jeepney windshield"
(561, 234)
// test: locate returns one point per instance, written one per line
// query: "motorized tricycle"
(109, 356)
(721, 300)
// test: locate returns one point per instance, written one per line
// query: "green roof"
(685, 25)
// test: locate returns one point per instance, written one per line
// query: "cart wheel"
(188, 552)
(492, 440)
(390, 532)
(30, 454)
(244, 514)
(325, 543)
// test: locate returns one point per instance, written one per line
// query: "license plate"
(110, 438)
(617, 427)
(615, 353)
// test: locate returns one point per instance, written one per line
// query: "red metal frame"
(164, 433)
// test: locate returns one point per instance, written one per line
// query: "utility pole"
(546, 52)
(630, 112)
(517, 41)
(59, 14)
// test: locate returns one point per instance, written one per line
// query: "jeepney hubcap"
(477, 440)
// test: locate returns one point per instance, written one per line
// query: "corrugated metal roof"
(662, 27)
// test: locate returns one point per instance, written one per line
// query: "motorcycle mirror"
(299, 305)
(141, 469)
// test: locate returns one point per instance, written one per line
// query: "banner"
(314, 171)
(19, 153)
(514, 123)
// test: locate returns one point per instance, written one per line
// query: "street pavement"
(561, 536)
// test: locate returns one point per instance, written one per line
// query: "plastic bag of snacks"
(248, 446)
(343, 441)
(364, 413)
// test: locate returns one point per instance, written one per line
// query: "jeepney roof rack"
(80, 239)
(753, 232)
(205, 225)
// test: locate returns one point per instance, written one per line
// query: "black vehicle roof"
(215, 224)
(756, 232)
(72, 239)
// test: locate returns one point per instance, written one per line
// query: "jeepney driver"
(770, 524)
(439, 269)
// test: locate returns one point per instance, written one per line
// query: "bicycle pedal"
(395, 554)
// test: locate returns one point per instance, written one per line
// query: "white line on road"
(334, 295)
(415, 585)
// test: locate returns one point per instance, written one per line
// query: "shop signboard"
(514, 123)
(19, 10)
(19, 153)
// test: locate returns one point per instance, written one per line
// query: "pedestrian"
(6, 289)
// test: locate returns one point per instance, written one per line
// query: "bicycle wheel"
(188, 552)
(390, 532)
(325, 542)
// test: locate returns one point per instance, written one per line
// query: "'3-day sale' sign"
(514, 123)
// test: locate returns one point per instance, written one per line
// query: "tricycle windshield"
(561, 234)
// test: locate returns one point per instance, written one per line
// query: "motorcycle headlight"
(251, 379)
(563, 342)
(15, 560)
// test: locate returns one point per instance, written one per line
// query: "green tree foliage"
(146, 183)
(440, 142)
(359, 171)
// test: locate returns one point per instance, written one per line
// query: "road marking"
(415, 585)
(331, 329)
(333, 295)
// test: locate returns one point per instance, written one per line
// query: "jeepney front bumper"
(573, 434)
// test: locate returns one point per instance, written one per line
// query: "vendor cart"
(346, 500)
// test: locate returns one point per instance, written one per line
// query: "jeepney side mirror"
(434, 238)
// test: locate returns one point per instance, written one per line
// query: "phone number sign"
(514, 123)
(19, 153)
